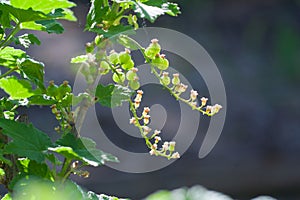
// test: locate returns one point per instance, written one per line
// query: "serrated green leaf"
(23, 15)
(33, 71)
(27, 39)
(51, 26)
(127, 42)
(112, 95)
(7, 197)
(171, 9)
(83, 149)
(148, 12)
(41, 100)
(79, 59)
(16, 88)
(5, 19)
(9, 56)
(47, 6)
(26, 141)
(96, 13)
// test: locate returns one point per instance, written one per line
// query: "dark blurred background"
(256, 46)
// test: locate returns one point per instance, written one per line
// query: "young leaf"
(33, 70)
(41, 100)
(26, 141)
(23, 15)
(51, 26)
(112, 95)
(27, 39)
(46, 6)
(17, 89)
(149, 12)
(79, 59)
(9, 56)
(83, 149)
(96, 13)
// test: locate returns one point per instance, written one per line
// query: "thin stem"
(11, 35)
(9, 72)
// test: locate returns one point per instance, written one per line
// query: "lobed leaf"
(27, 39)
(16, 88)
(83, 149)
(112, 95)
(10, 55)
(33, 71)
(27, 141)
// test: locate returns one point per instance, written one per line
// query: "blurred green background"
(256, 46)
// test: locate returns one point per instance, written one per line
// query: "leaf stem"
(10, 36)
(9, 72)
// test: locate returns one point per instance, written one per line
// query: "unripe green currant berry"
(160, 62)
(113, 57)
(98, 39)
(172, 146)
(175, 79)
(63, 89)
(118, 77)
(165, 79)
(131, 74)
(129, 65)
(134, 84)
(104, 67)
(89, 47)
(52, 89)
(124, 56)
(153, 49)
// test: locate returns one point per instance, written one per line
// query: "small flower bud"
(137, 104)
(165, 79)
(132, 120)
(146, 111)
(146, 119)
(175, 155)
(203, 101)
(154, 146)
(193, 95)
(175, 79)
(172, 146)
(157, 139)
(139, 96)
(152, 152)
(216, 108)
(208, 109)
(146, 130)
(165, 146)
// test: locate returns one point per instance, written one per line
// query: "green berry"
(165, 79)
(52, 89)
(63, 89)
(118, 77)
(134, 84)
(130, 75)
(160, 62)
(129, 65)
(175, 79)
(153, 49)
(114, 58)
(89, 47)
(124, 56)
(104, 67)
